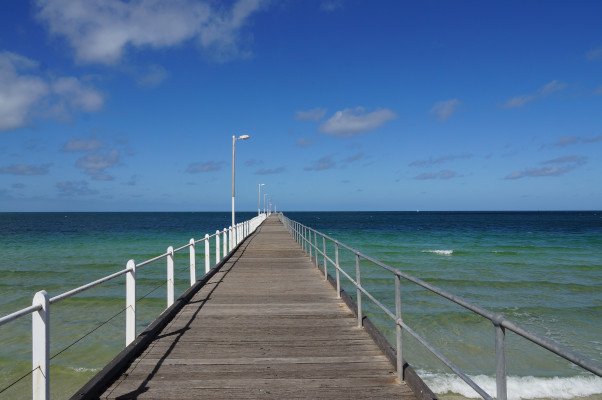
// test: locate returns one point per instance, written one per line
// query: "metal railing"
(303, 235)
(40, 308)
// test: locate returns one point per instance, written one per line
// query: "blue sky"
(350, 105)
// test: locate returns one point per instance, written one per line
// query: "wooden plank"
(266, 325)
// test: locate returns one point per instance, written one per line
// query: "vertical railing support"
(231, 238)
(324, 251)
(316, 247)
(398, 327)
(225, 237)
(130, 303)
(217, 248)
(40, 347)
(170, 276)
(358, 279)
(337, 266)
(192, 262)
(500, 361)
(207, 254)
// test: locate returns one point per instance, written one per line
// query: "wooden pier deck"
(265, 325)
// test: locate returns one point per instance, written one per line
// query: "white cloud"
(152, 76)
(430, 162)
(443, 175)
(594, 53)
(23, 94)
(314, 115)
(562, 166)
(353, 122)
(79, 188)
(18, 92)
(95, 163)
(444, 109)
(77, 145)
(270, 171)
(331, 5)
(23, 169)
(101, 31)
(572, 140)
(208, 166)
(77, 94)
(544, 91)
(326, 162)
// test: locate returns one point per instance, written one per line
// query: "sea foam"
(440, 252)
(526, 387)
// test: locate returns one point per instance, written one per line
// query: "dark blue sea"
(543, 270)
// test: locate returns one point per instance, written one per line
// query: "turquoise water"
(542, 270)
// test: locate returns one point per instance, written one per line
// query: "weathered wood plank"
(266, 325)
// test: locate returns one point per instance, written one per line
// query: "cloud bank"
(354, 122)
(445, 109)
(24, 93)
(544, 91)
(556, 167)
(102, 31)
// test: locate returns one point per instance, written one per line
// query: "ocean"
(542, 270)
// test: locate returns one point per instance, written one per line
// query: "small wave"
(525, 387)
(440, 252)
(84, 369)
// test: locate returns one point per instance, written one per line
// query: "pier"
(264, 325)
(269, 319)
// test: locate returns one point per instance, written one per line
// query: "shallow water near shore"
(542, 270)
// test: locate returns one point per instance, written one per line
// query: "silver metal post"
(358, 291)
(500, 362)
(337, 266)
(324, 251)
(316, 247)
(233, 151)
(398, 328)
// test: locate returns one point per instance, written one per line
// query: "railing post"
(207, 254)
(225, 237)
(231, 238)
(130, 303)
(398, 327)
(316, 247)
(358, 280)
(192, 262)
(40, 347)
(170, 276)
(500, 361)
(337, 266)
(217, 248)
(324, 251)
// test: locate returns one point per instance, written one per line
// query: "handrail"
(232, 236)
(303, 235)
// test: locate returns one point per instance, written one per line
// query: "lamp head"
(243, 137)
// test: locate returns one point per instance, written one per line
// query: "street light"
(259, 199)
(234, 139)
(264, 203)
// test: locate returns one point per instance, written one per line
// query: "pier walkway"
(265, 325)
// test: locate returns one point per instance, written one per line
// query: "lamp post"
(234, 139)
(264, 208)
(259, 199)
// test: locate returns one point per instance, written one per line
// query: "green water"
(542, 270)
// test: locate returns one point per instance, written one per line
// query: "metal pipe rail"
(303, 235)
(40, 308)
